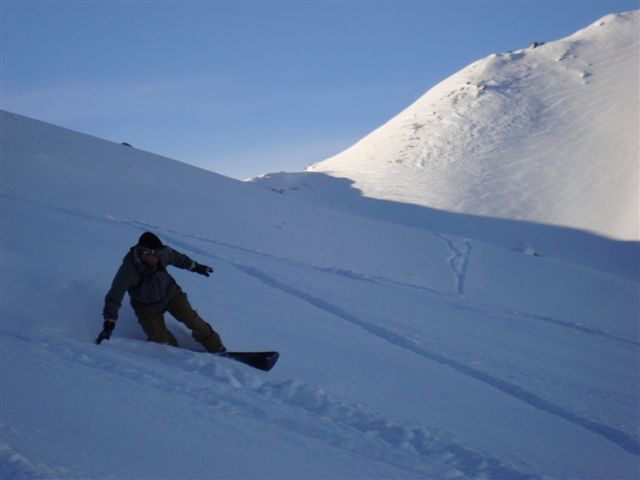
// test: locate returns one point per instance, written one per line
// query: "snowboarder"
(143, 274)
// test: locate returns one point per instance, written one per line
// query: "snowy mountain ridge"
(547, 134)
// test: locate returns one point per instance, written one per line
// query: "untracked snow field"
(405, 353)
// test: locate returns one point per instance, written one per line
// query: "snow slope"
(546, 134)
(405, 353)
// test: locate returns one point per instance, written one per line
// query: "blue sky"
(244, 88)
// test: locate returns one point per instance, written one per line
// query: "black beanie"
(149, 240)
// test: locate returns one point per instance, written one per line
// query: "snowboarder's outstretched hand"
(202, 269)
(107, 329)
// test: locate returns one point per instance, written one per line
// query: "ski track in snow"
(615, 436)
(459, 260)
(241, 392)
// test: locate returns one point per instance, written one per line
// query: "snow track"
(615, 436)
(459, 260)
(236, 392)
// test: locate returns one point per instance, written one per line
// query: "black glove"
(202, 269)
(107, 328)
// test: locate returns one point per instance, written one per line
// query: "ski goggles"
(148, 251)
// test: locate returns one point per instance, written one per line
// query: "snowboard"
(260, 360)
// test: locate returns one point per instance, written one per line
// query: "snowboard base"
(260, 360)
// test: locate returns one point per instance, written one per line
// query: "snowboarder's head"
(150, 241)
(148, 246)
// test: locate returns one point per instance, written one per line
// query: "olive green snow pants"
(179, 307)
